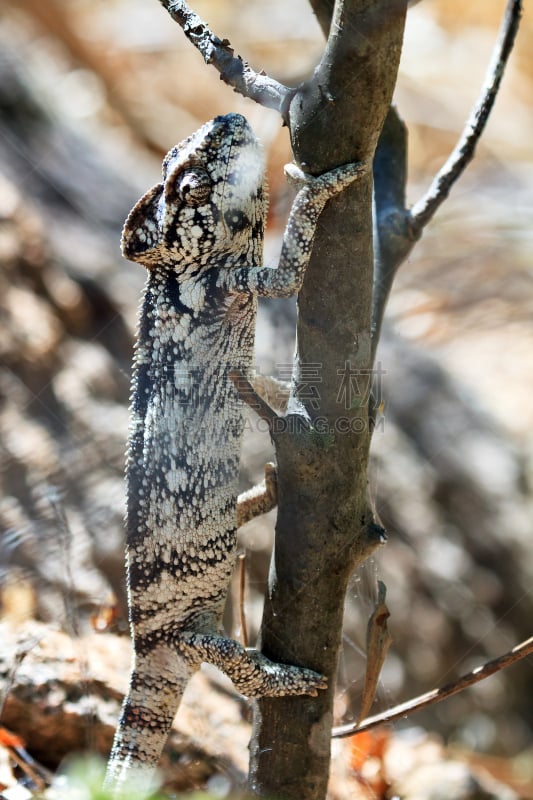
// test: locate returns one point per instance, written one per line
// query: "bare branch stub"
(463, 152)
(233, 70)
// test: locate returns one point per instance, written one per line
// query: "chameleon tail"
(157, 682)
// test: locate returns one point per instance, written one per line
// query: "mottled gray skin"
(200, 235)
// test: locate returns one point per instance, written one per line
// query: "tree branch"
(323, 11)
(233, 69)
(324, 526)
(394, 236)
(463, 153)
(398, 229)
(519, 652)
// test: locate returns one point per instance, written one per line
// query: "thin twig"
(233, 69)
(247, 393)
(30, 767)
(519, 652)
(463, 153)
(242, 591)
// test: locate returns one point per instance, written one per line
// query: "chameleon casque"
(199, 233)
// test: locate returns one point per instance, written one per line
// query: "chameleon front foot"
(329, 183)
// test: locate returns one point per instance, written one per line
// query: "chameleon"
(199, 233)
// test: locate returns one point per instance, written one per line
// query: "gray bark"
(324, 527)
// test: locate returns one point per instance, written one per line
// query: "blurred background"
(92, 95)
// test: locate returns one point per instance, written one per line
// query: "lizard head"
(209, 207)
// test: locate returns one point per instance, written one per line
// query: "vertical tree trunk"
(324, 527)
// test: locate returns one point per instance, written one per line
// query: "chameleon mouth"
(142, 233)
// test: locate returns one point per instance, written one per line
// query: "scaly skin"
(199, 233)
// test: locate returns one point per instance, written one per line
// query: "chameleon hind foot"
(251, 672)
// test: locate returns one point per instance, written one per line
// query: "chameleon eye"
(194, 187)
(236, 220)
